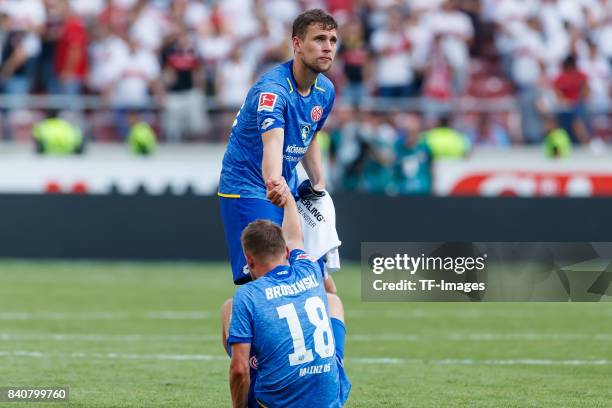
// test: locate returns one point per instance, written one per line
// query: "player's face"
(318, 48)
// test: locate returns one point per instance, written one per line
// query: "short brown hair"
(263, 239)
(314, 16)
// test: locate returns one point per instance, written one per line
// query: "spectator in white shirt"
(269, 47)
(88, 9)
(597, 68)
(603, 37)
(456, 32)
(23, 23)
(149, 25)
(528, 54)
(134, 75)
(234, 78)
(241, 13)
(509, 17)
(215, 44)
(215, 41)
(527, 70)
(420, 6)
(192, 13)
(105, 48)
(421, 38)
(394, 71)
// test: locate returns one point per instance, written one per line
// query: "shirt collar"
(279, 272)
(293, 82)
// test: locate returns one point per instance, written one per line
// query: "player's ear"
(250, 261)
(297, 43)
(287, 252)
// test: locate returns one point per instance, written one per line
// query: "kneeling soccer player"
(287, 322)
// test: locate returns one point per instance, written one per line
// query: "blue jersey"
(273, 102)
(283, 315)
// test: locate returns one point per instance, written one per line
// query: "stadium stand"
(492, 64)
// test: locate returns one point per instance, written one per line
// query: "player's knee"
(336, 309)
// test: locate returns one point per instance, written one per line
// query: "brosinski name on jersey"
(302, 285)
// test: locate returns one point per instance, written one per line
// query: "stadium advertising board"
(113, 170)
(524, 173)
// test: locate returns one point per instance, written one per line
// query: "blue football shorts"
(236, 214)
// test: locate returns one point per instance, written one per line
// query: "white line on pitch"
(178, 315)
(510, 362)
(202, 315)
(385, 337)
(458, 313)
(480, 337)
(522, 362)
(107, 337)
(116, 356)
(152, 315)
(198, 315)
(357, 360)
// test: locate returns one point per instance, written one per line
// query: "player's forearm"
(272, 161)
(292, 227)
(240, 391)
(271, 166)
(313, 165)
(239, 386)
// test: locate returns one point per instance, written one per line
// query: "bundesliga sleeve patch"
(267, 100)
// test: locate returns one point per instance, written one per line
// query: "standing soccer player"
(275, 129)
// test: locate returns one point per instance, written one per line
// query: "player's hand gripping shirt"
(273, 102)
(284, 316)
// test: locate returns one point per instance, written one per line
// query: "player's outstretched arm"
(313, 165)
(239, 376)
(272, 161)
(292, 227)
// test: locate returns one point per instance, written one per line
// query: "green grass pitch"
(147, 334)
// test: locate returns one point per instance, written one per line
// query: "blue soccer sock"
(339, 334)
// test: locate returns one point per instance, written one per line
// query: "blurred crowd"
(189, 59)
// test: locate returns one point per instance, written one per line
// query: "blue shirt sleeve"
(271, 105)
(304, 261)
(241, 326)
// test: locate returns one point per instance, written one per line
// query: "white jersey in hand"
(319, 228)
